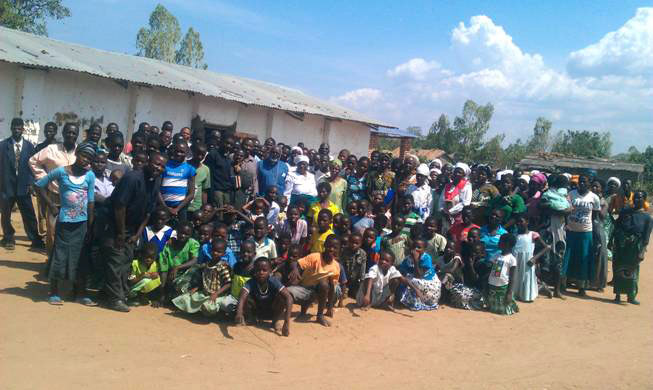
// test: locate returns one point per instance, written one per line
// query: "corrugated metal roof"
(556, 161)
(28, 49)
(393, 133)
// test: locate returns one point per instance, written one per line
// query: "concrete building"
(48, 80)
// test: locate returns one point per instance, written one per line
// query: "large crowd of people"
(229, 227)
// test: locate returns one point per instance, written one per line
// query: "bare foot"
(323, 321)
(303, 317)
(558, 295)
(278, 326)
(329, 313)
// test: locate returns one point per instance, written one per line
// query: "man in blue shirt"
(271, 172)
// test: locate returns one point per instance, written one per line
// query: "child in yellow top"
(144, 277)
(324, 219)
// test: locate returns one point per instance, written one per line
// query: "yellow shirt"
(315, 208)
(317, 241)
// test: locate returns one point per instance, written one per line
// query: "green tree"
(541, 138)
(191, 51)
(31, 15)
(583, 143)
(160, 39)
(470, 129)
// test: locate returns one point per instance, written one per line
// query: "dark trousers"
(26, 212)
(117, 266)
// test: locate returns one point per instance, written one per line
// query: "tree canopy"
(31, 15)
(161, 40)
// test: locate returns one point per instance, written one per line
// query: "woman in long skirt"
(578, 263)
(631, 237)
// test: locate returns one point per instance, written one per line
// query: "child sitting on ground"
(179, 254)
(157, 231)
(502, 278)
(144, 278)
(208, 285)
(380, 284)
(320, 274)
(418, 268)
(266, 298)
(241, 273)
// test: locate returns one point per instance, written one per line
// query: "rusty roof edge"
(283, 100)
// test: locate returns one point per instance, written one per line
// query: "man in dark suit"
(15, 183)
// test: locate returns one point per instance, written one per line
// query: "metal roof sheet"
(571, 162)
(32, 50)
(393, 133)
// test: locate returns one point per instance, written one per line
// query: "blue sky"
(407, 62)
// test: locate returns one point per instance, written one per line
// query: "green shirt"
(170, 258)
(202, 183)
(510, 205)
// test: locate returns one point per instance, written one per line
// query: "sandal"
(86, 301)
(55, 300)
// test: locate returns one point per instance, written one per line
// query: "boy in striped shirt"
(178, 184)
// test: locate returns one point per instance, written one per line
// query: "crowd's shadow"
(36, 291)
(24, 265)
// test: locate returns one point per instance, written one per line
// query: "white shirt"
(300, 184)
(17, 145)
(500, 273)
(380, 284)
(273, 213)
(423, 199)
(464, 198)
(580, 219)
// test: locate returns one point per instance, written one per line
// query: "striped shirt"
(174, 186)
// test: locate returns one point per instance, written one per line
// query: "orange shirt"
(315, 269)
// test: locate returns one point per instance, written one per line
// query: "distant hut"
(605, 168)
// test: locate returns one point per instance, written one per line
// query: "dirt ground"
(550, 344)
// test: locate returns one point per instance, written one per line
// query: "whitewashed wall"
(61, 96)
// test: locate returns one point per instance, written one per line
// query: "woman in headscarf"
(631, 237)
(300, 183)
(455, 195)
(507, 201)
(535, 188)
(482, 191)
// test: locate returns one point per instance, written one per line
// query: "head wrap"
(414, 157)
(88, 148)
(567, 175)
(297, 149)
(501, 173)
(436, 170)
(437, 163)
(526, 178)
(534, 172)
(616, 180)
(301, 158)
(464, 167)
(337, 162)
(539, 178)
(422, 169)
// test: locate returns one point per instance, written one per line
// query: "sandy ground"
(550, 344)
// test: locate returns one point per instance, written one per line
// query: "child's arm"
(226, 287)
(415, 256)
(139, 232)
(190, 194)
(511, 283)
(410, 284)
(286, 321)
(240, 318)
(367, 299)
(163, 203)
(247, 205)
(538, 255)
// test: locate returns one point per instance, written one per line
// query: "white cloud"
(416, 68)
(360, 97)
(627, 51)
(609, 89)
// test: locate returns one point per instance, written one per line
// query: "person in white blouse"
(300, 183)
(456, 195)
(421, 192)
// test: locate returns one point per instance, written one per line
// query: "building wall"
(62, 96)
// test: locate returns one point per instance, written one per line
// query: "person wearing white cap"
(421, 192)
(300, 183)
(456, 195)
